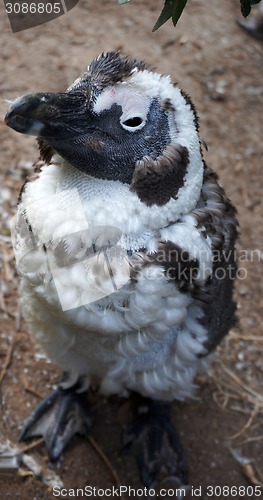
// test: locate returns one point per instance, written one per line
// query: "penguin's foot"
(156, 446)
(58, 418)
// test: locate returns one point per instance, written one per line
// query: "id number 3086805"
(33, 8)
(234, 491)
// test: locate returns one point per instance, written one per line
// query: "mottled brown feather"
(157, 181)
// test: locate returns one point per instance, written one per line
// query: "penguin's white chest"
(78, 296)
(144, 336)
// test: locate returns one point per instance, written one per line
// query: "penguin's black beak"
(48, 114)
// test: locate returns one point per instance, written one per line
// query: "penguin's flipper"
(151, 438)
(58, 418)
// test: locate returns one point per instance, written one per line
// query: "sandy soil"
(221, 68)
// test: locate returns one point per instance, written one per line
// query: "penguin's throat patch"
(157, 181)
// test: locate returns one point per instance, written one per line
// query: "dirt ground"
(221, 68)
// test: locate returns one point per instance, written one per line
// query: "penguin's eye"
(133, 123)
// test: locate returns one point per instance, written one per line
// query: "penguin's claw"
(156, 446)
(58, 418)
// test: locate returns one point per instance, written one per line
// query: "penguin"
(125, 244)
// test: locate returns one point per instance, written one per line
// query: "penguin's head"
(119, 121)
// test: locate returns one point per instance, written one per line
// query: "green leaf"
(173, 9)
(165, 14)
(246, 6)
(177, 10)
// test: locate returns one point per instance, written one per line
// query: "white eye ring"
(132, 123)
